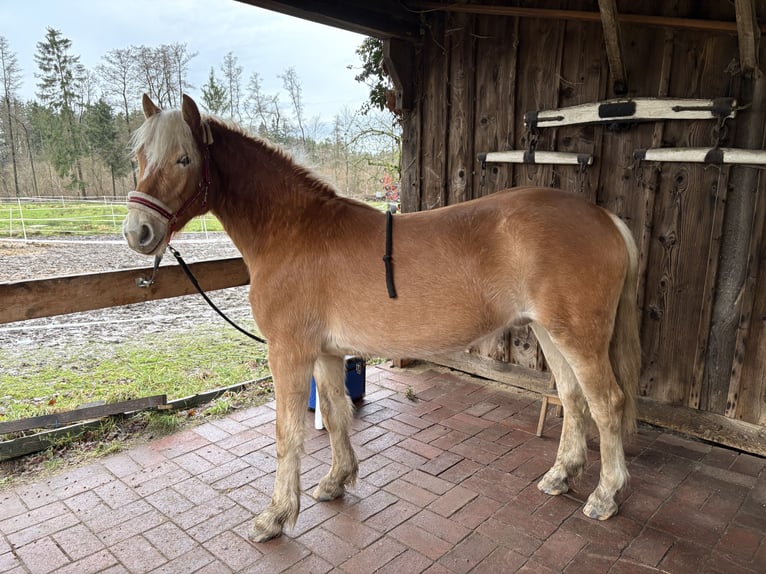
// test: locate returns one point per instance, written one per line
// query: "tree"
(263, 110)
(162, 72)
(104, 139)
(118, 80)
(232, 78)
(62, 77)
(373, 74)
(214, 97)
(292, 84)
(11, 82)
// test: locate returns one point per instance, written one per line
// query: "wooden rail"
(23, 300)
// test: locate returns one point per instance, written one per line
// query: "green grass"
(82, 218)
(176, 365)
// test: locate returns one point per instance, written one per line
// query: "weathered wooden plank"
(495, 95)
(500, 371)
(86, 413)
(701, 424)
(433, 138)
(749, 35)
(40, 441)
(659, 21)
(460, 152)
(613, 45)
(24, 300)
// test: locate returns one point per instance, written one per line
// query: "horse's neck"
(261, 189)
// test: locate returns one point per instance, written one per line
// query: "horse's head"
(173, 175)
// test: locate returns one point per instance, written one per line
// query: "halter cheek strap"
(153, 206)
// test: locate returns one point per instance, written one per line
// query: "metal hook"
(143, 281)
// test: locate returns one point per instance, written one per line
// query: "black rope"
(387, 259)
(194, 282)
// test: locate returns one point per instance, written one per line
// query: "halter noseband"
(155, 205)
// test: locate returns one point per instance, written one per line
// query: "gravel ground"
(21, 261)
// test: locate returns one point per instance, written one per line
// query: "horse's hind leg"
(337, 413)
(605, 400)
(572, 451)
(292, 374)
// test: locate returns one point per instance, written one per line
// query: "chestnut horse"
(528, 256)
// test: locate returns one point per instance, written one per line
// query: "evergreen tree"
(214, 97)
(62, 78)
(103, 136)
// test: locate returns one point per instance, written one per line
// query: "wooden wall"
(699, 227)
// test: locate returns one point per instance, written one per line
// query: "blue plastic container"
(355, 381)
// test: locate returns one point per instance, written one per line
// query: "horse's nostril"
(146, 234)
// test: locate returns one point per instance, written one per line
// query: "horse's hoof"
(599, 510)
(263, 530)
(325, 492)
(553, 485)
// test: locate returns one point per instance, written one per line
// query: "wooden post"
(613, 44)
(748, 34)
(736, 238)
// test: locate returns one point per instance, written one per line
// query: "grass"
(43, 219)
(176, 365)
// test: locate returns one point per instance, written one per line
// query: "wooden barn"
(655, 110)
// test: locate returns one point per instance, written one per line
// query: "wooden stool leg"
(543, 412)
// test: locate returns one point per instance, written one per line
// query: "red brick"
(370, 505)
(452, 501)
(559, 549)
(468, 554)
(411, 493)
(649, 547)
(421, 540)
(312, 565)
(373, 557)
(404, 456)
(170, 540)
(427, 451)
(232, 550)
(98, 563)
(391, 516)
(513, 536)
(42, 556)
(430, 483)
(475, 512)
(444, 528)
(278, 554)
(441, 463)
(409, 562)
(387, 474)
(501, 561)
(327, 545)
(449, 440)
(350, 530)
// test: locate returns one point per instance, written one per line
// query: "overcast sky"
(263, 41)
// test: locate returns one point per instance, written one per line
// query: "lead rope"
(194, 282)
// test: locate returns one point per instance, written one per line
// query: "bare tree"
(11, 82)
(292, 84)
(232, 79)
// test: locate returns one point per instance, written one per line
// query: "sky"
(263, 41)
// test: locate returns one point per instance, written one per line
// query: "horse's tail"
(625, 346)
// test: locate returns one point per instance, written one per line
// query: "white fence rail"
(29, 218)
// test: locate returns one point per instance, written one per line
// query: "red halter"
(157, 206)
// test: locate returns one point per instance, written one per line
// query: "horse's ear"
(191, 115)
(149, 107)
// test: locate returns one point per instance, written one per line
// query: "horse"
(462, 274)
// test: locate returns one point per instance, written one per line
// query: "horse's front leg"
(291, 370)
(337, 412)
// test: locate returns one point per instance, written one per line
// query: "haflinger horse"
(463, 273)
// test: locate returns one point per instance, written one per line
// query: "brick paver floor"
(446, 485)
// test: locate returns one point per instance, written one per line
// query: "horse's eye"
(184, 161)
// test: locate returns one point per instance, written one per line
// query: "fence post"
(21, 216)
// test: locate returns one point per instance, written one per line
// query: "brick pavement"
(446, 485)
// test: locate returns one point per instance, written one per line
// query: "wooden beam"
(705, 425)
(498, 371)
(57, 420)
(381, 19)
(537, 157)
(613, 44)
(721, 155)
(24, 300)
(399, 62)
(583, 16)
(748, 34)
